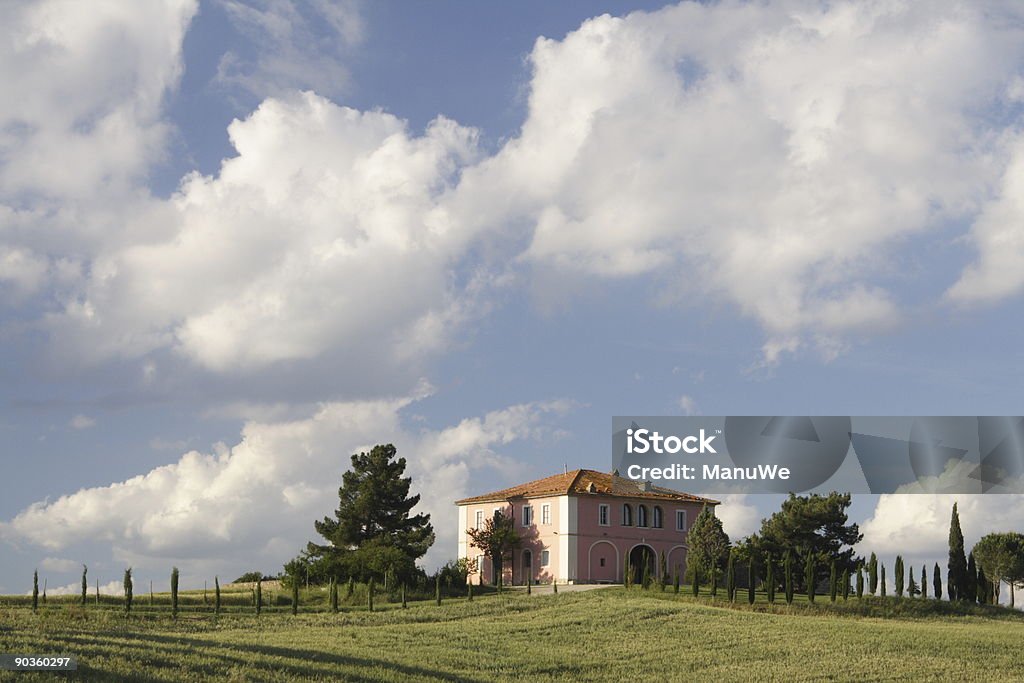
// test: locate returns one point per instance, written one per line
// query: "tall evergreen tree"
(810, 576)
(174, 592)
(675, 581)
(259, 595)
(769, 579)
(860, 582)
(373, 529)
(833, 585)
(707, 542)
(971, 580)
(937, 582)
(787, 569)
(35, 591)
(369, 595)
(898, 576)
(846, 584)
(912, 589)
(956, 587)
(924, 581)
(216, 595)
(873, 574)
(85, 583)
(981, 588)
(882, 586)
(714, 583)
(694, 584)
(128, 590)
(295, 597)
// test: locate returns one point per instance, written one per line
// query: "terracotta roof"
(581, 482)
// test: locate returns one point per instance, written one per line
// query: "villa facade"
(583, 526)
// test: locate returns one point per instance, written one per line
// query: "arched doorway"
(639, 556)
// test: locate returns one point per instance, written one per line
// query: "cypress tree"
(810, 576)
(97, 591)
(971, 580)
(957, 585)
(860, 582)
(85, 583)
(730, 577)
(529, 586)
(883, 581)
(912, 585)
(437, 589)
(924, 582)
(769, 579)
(645, 572)
(351, 588)
(127, 583)
(714, 581)
(937, 582)
(664, 570)
(35, 591)
(295, 595)
(554, 586)
(334, 595)
(751, 580)
(259, 595)
(846, 584)
(873, 574)
(981, 587)
(369, 595)
(788, 572)
(405, 605)
(216, 595)
(174, 592)
(151, 600)
(675, 581)
(696, 582)
(833, 583)
(898, 576)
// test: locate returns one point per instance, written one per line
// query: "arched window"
(627, 515)
(657, 517)
(641, 515)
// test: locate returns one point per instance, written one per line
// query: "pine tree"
(751, 580)
(956, 587)
(873, 574)
(174, 592)
(883, 581)
(937, 582)
(35, 591)
(898, 576)
(127, 584)
(788, 571)
(846, 584)
(810, 577)
(730, 578)
(295, 596)
(860, 582)
(369, 595)
(85, 583)
(216, 595)
(833, 583)
(971, 580)
(769, 579)
(924, 582)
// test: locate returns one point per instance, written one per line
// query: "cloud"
(688, 404)
(115, 587)
(56, 564)
(293, 51)
(739, 518)
(777, 154)
(81, 422)
(253, 504)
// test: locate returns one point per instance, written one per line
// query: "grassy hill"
(606, 634)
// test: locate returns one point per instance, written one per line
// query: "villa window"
(545, 513)
(627, 515)
(657, 517)
(602, 515)
(479, 519)
(641, 515)
(680, 520)
(545, 558)
(527, 515)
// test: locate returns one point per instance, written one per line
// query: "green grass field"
(605, 634)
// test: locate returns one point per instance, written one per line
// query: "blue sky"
(239, 241)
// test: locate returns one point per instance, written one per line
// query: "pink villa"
(583, 526)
